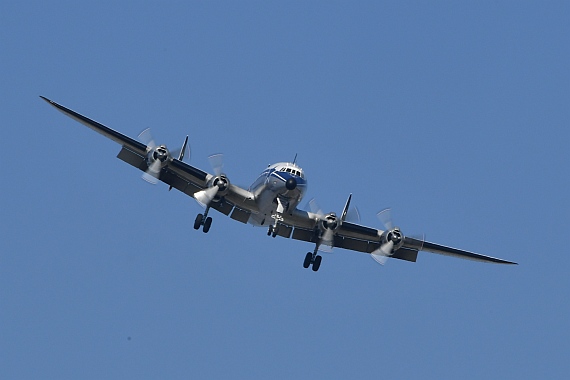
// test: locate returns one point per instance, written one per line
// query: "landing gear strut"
(277, 217)
(203, 220)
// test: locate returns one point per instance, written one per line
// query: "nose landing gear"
(273, 231)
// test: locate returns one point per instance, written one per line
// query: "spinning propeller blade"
(315, 209)
(146, 138)
(381, 254)
(217, 163)
(204, 197)
(385, 217)
(151, 175)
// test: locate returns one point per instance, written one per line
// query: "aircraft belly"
(267, 207)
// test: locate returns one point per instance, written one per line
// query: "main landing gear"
(314, 259)
(203, 220)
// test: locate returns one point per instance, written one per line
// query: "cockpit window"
(295, 172)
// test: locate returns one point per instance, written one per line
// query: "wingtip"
(505, 262)
(46, 99)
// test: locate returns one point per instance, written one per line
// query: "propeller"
(315, 209)
(385, 217)
(217, 163)
(146, 138)
(394, 238)
(153, 171)
(204, 197)
(330, 222)
(381, 254)
(158, 155)
(219, 183)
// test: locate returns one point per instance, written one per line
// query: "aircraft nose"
(291, 184)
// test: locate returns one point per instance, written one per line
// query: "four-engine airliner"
(271, 201)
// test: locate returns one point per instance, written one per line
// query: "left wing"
(305, 226)
(238, 202)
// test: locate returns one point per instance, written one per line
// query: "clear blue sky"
(454, 114)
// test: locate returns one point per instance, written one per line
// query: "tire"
(317, 263)
(307, 261)
(207, 224)
(198, 221)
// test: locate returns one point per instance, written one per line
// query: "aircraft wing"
(303, 226)
(238, 203)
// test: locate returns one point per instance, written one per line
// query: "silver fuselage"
(271, 185)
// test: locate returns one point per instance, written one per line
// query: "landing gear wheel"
(308, 259)
(272, 231)
(198, 221)
(317, 263)
(207, 224)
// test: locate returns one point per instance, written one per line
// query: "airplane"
(271, 201)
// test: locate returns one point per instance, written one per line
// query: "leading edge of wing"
(443, 250)
(100, 128)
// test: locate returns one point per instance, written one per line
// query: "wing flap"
(223, 207)
(406, 254)
(353, 244)
(240, 215)
(284, 230)
(133, 158)
(304, 235)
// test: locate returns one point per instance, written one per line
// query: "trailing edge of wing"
(100, 128)
(443, 250)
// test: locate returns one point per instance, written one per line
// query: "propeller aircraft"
(271, 201)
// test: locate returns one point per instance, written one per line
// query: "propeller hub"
(222, 183)
(160, 153)
(395, 236)
(330, 222)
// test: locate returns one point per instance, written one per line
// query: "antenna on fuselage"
(295, 159)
